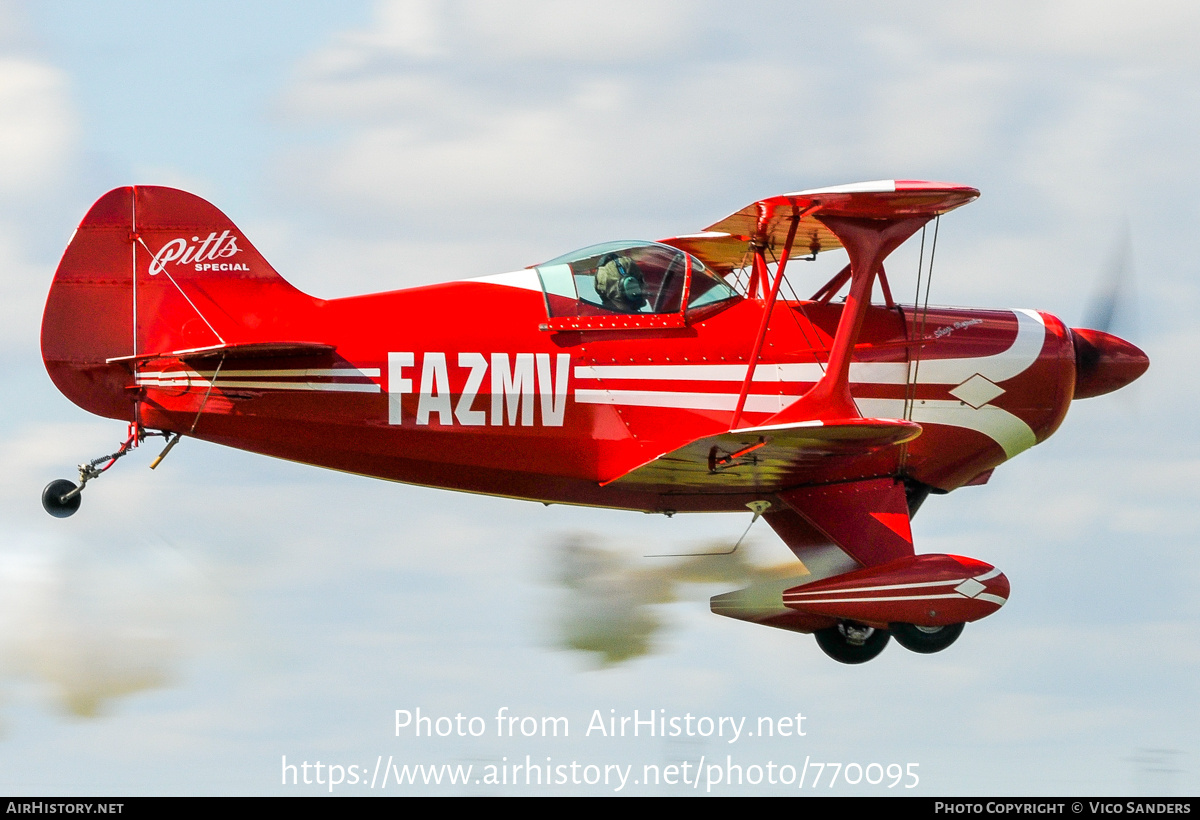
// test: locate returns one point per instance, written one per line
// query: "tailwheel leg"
(925, 639)
(848, 642)
(62, 498)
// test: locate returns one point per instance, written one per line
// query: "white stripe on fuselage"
(1007, 430)
(1001, 426)
(297, 379)
(682, 400)
(1023, 352)
(527, 279)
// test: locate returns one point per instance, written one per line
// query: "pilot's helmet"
(619, 283)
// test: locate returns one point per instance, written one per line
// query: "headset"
(630, 285)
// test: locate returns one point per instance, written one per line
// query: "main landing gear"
(852, 643)
(848, 642)
(62, 497)
(926, 639)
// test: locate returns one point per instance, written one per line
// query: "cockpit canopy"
(595, 286)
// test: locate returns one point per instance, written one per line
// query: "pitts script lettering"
(514, 380)
(199, 253)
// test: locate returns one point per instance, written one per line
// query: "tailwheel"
(926, 639)
(61, 498)
(851, 643)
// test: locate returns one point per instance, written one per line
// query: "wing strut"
(868, 242)
(830, 288)
(868, 520)
(760, 273)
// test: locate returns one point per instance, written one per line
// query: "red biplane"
(663, 376)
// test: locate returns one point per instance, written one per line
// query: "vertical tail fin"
(151, 271)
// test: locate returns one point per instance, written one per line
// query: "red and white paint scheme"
(663, 376)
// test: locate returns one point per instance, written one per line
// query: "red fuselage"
(456, 386)
(624, 375)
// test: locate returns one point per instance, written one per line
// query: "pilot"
(620, 284)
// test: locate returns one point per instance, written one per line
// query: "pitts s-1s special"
(666, 377)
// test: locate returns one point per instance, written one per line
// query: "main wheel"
(926, 639)
(851, 643)
(52, 498)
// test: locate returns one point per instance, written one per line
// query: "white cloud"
(23, 287)
(517, 111)
(542, 112)
(580, 31)
(936, 112)
(38, 134)
(37, 126)
(1155, 30)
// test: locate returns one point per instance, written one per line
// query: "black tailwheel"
(60, 498)
(926, 639)
(851, 643)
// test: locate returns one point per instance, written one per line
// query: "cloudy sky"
(194, 626)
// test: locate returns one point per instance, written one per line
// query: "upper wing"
(725, 245)
(766, 459)
(869, 219)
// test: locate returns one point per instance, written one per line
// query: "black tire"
(52, 498)
(851, 643)
(926, 639)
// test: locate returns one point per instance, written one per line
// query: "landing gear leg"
(62, 498)
(851, 643)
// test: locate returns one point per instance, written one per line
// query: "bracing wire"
(909, 383)
(814, 346)
(184, 295)
(920, 307)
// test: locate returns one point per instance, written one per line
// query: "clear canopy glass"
(628, 278)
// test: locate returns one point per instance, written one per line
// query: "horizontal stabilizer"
(235, 351)
(765, 458)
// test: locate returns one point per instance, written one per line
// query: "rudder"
(151, 271)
